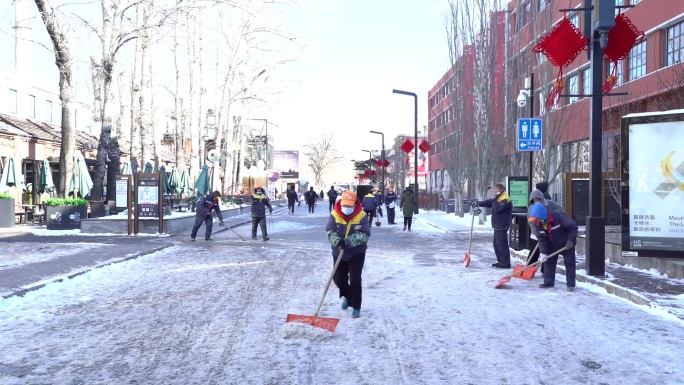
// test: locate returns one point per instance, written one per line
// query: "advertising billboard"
(653, 165)
(288, 163)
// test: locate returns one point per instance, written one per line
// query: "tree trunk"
(136, 86)
(66, 92)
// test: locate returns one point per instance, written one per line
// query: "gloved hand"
(299, 203)
(477, 211)
(474, 204)
(569, 245)
(221, 223)
(341, 246)
(532, 236)
(270, 210)
(543, 258)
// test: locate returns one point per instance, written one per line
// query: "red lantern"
(621, 39)
(379, 163)
(407, 146)
(386, 164)
(561, 46)
(424, 146)
(373, 172)
(366, 173)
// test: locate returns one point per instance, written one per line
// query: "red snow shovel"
(466, 260)
(328, 324)
(520, 272)
(528, 274)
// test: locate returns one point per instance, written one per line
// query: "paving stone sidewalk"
(647, 288)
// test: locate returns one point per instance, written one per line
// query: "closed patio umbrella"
(126, 168)
(202, 182)
(184, 186)
(80, 183)
(148, 168)
(174, 181)
(11, 176)
(45, 183)
(165, 180)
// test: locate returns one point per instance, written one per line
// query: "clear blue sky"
(357, 52)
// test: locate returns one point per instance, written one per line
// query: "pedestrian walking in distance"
(348, 230)
(205, 205)
(260, 203)
(370, 204)
(310, 198)
(390, 202)
(554, 231)
(332, 198)
(291, 199)
(408, 203)
(502, 211)
(321, 196)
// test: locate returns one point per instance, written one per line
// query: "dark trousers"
(208, 223)
(290, 207)
(407, 222)
(311, 206)
(533, 256)
(390, 215)
(570, 267)
(503, 253)
(371, 215)
(261, 221)
(348, 279)
(331, 205)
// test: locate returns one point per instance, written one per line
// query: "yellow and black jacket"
(353, 230)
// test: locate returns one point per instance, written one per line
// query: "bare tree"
(322, 155)
(452, 149)
(64, 60)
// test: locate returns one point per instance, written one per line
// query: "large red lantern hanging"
(561, 46)
(366, 173)
(386, 164)
(379, 163)
(621, 39)
(407, 146)
(373, 172)
(424, 146)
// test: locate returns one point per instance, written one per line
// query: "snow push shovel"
(519, 273)
(529, 273)
(466, 260)
(314, 320)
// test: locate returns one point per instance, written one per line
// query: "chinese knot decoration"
(424, 146)
(381, 164)
(561, 46)
(621, 39)
(407, 146)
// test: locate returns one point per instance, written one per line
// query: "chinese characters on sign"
(148, 198)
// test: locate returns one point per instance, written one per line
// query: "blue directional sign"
(530, 134)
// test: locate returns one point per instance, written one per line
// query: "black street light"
(382, 160)
(370, 160)
(415, 138)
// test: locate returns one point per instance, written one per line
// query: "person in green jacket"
(408, 202)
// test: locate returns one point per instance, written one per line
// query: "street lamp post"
(267, 157)
(208, 136)
(370, 160)
(415, 139)
(382, 160)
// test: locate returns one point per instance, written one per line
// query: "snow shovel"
(314, 320)
(466, 260)
(520, 272)
(528, 274)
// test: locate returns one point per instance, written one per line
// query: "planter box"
(7, 213)
(65, 217)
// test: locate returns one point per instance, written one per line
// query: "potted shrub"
(191, 202)
(7, 210)
(65, 213)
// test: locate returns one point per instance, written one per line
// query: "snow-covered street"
(214, 313)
